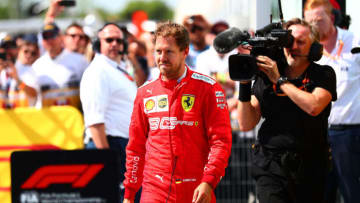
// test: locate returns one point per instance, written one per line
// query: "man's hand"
(128, 201)
(12, 71)
(54, 10)
(269, 67)
(202, 194)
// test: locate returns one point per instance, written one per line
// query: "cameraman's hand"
(269, 67)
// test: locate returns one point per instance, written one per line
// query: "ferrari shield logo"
(187, 102)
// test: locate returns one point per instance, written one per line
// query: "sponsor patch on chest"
(158, 103)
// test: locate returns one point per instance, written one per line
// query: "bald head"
(111, 39)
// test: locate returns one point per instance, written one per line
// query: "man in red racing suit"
(180, 138)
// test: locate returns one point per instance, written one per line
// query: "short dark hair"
(314, 34)
(177, 31)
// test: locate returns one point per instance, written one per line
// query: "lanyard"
(337, 56)
(125, 73)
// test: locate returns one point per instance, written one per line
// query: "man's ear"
(186, 51)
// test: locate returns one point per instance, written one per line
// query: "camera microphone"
(355, 50)
(229, 39)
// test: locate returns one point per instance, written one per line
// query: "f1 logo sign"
(78, 175)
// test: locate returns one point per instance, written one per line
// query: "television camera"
(268, 41)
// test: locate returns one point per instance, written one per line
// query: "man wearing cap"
(8, 43)
(75, 39)
(58, 71)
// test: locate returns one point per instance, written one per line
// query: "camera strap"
(125, 73)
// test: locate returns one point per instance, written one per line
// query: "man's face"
(75, 39)
(111, 39)
(297, 54)
(53, 45)
(320, 19)
(28, 54)
(169, 58)
(197, 33)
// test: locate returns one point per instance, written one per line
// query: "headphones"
(316, 51)
(96, 45)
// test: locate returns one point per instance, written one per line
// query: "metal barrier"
(237, 186)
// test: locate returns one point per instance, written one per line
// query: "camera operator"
(290, 157)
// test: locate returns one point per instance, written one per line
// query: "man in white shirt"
(107, 94)
(344, 119)
(58, 71)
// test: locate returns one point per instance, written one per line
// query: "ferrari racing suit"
(180, 136)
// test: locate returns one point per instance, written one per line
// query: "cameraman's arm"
(312, 103)
(248, 113)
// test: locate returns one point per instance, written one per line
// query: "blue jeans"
(345, 146)
(119, 145)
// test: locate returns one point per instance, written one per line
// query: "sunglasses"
(82, 37)
(118, 40)
(194, 28)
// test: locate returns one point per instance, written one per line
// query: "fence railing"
(237, 186)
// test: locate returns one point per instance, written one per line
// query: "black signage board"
(50, 176)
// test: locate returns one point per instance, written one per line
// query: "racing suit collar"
(171, 84)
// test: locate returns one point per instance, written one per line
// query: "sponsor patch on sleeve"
(204, 78)
(221, 106)
(219, 94)
(220, 99)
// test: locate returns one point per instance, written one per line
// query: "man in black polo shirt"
(290, 159)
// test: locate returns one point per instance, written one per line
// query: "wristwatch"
(281, 81)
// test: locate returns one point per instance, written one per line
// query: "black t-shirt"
(287, 126)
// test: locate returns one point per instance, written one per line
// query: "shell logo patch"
(187, 102)
(149, 105)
